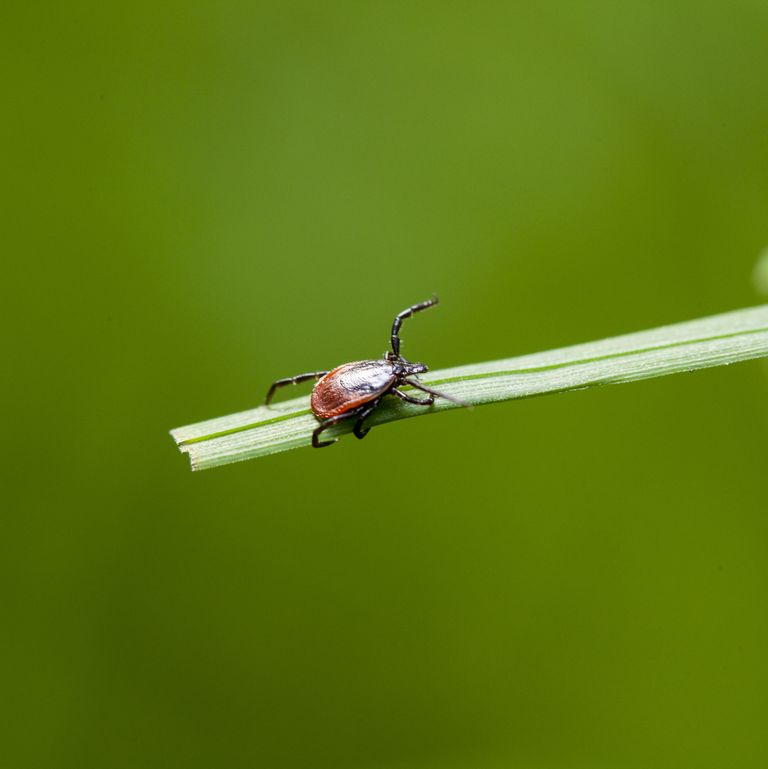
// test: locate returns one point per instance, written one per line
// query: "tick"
(354, 390)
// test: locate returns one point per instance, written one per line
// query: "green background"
(201, 197)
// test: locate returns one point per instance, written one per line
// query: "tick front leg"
(437, 393)
(292, 380)
(428, 401)
(318, 444)
(401, 316)
(363, 413)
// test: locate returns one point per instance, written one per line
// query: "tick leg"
(437, 393)
(400, 317)
(428, 401)
(329, 423)
(363, 413)
(292, 380)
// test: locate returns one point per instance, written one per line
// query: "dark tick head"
(415, 368)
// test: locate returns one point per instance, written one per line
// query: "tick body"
(354, 390)
(352, 385)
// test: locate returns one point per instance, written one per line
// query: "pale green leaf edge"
(714, 341)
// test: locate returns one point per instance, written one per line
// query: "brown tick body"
(350, 386)
(356, 389)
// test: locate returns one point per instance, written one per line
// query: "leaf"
(714, 341)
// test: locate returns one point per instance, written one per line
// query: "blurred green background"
(201, 197)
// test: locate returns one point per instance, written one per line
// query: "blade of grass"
(714, 341)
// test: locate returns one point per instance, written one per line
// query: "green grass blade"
(714, 341)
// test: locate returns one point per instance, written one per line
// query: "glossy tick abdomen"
(350, 386)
